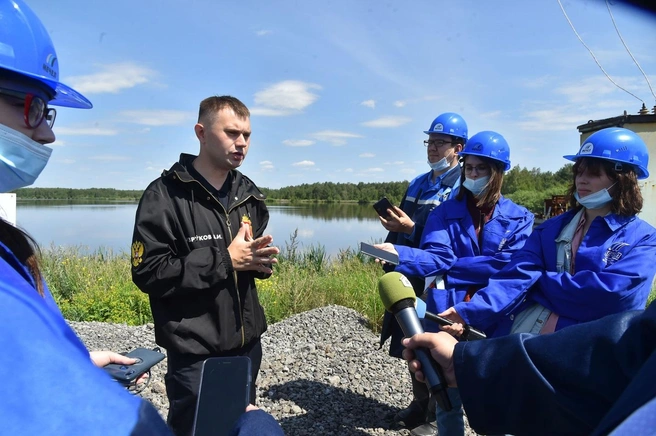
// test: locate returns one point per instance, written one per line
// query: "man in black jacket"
(198, 246)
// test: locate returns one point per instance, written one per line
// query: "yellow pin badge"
(137, 253)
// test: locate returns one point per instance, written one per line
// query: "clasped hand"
(250, 254)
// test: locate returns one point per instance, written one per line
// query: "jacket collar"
(242, 186)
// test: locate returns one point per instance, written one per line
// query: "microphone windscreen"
(394, 287)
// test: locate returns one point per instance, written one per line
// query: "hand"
(250, 254)
(456, 329)
(387, 247)
(397, 221)
(251, 407)
(441, 346)
(104, 358)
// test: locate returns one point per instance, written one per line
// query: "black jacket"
(180, 259)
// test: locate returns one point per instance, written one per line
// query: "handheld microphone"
(398, 297)
(470, 333)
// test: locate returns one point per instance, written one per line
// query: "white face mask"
(440, 165)
(476, 186)
(595, 200)
(21, 159)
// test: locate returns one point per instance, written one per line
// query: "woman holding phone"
(466, 240)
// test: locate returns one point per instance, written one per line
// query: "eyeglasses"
(437, 143)
(35, 108)
(480, 169)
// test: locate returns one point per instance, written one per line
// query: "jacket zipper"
(234, 273)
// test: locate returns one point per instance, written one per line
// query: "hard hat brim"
(64, 95)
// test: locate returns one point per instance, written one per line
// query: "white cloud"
(266, 165)
(348, 170)
(86, 131)
(400, 103)
(285, 98)
(304, 164)
(262, 32)
(386, 122)
(372, 170)
(367, 155)
(335, 137)
(369, 103)
(161, 117)
(297, 142)
(112, 78)
(109, 158)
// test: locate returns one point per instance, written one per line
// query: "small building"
(644, 124)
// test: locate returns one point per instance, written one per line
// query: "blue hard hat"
(490, 145)
(616, 144)
(449, 123)
(26, 49)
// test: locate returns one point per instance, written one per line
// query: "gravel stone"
(322, 372)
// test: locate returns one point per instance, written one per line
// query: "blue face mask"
(595, 200)
(21, 159)
(476, 186)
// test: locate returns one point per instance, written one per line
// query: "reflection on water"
(109, 226)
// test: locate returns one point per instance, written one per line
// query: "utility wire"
(593, 56)
(629, 51)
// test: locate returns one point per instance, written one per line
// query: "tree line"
(526, 187)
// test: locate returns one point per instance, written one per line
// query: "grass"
(98, 286)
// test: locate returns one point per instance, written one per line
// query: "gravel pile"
(322, 372)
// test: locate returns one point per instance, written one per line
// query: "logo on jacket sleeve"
(613, 253)
(137, 253)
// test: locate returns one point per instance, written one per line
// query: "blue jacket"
(54, 387)
(591, 378)
(449, 247)
(614, 272)
(421, 197)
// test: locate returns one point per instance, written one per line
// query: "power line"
(629, 51)
(593, 56)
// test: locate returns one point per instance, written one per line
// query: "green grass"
(98, 286)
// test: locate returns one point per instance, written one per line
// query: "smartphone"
(377, 253)
(381, 207)
(225, 385)
(126, 374)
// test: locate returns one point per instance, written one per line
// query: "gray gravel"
(322, 372)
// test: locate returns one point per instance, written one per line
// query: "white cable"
(592, 54)
(629, 51)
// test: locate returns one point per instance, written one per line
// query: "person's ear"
(200, 132)
(458, 148)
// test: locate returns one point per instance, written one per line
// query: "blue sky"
(339, 91)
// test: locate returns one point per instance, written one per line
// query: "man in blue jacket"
(595, 378)
(447, 136)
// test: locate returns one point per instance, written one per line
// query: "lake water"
(109, 226)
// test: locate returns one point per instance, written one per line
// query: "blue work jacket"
(595, 378)
(421, 197)
(450, 247)
(614, 271)
(55, 388)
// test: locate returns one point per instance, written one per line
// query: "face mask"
(595, 200)
(440, 165)
(476, 186)
(21, 159)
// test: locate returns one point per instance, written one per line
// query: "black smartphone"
(126, 374)
(225, 385)
(381, 207)
(377, 253)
